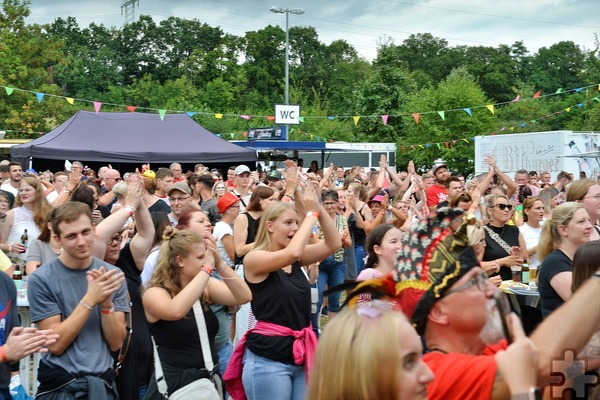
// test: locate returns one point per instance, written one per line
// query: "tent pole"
(30, 162)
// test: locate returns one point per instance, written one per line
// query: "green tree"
(433, 137)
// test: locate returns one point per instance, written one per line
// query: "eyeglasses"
(504, 206)
(178, 199)
(115, 239)
(597, 197)
(481, 281)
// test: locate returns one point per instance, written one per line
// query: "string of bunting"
(356, 118)
(422, 146)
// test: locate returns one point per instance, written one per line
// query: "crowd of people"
(323, 282)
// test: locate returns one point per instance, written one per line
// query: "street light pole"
(287, 12)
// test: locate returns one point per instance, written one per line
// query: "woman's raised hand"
(310, 197)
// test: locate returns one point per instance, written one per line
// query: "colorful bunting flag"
(355, 118)
(218, 116)
(191, 113)
(9, 90)
(271, 118)
(537, 94)
(442, 114)
(516, 99)
(417, 117)
(40, 96)
(97, 106)
(162, 113)
(131, 108)
(491, 108)
(468, 111)
(246, 117)
(384, 119)
(70, 100)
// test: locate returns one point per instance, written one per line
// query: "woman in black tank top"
(182, 277)
(281, 297)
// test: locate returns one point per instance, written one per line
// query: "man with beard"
(438, 192)
(451, 303)
(15, 171)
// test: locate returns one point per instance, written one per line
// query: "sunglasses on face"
(504, 206)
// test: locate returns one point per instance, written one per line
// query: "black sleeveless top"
(178, 342)
(251, 231)
(493, 251)
(282, 299)
(358, 234)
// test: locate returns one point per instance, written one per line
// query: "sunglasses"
(504, 206)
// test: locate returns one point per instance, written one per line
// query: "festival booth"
(132, 137)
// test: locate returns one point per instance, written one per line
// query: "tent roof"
(130, 138)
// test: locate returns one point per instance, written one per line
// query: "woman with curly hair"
(29, 215)
(182, 277)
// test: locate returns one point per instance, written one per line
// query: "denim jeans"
(224, 353)
(265, 379)
(359, 255)
(331, 273)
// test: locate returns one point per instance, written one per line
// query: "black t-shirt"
(493, 251)
(554, 263)
(282, 299)
(251, 233)
(160, 206)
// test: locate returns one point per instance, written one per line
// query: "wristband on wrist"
(69, 192)
(107, 310)
(130, 209)
(85, 305)
(3, 355)
(208, 269)
(315, 214)
(289, 196)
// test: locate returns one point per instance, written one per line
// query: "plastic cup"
(516, 273)
(532, 273)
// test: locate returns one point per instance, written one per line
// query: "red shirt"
(436, 195)
(463, 376)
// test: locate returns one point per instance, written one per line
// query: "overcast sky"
(363, 23)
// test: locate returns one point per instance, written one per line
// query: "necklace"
(495, 227)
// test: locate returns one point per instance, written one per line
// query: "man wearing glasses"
(111, 178)
(180, 198)
(451, 303)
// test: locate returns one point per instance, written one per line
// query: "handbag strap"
(161, 382)
(498, 239)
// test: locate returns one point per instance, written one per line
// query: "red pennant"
(537, 94)
(417, 117)
(271, 118)
(131, 108)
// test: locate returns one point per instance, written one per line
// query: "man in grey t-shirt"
(85, 301)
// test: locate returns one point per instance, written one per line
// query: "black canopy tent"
(132, 137)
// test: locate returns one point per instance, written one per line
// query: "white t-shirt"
(149, 265)
(220, 230)
(532, 238)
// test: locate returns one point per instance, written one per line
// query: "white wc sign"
(287, 114)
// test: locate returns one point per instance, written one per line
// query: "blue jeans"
(331, 273)
(224, 354)
(359, 255)
(265, 379)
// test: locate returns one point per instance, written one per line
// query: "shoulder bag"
(200, 389)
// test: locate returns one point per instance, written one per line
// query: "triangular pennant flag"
(40, 96)
(301, 119)
(246, 117)
(466, 140)
(428, 145)
(468, 111)
(421, 146)
(245, 134)
(384, 119)
(442, 114)
(516, 99)
(162, 114)
(97, 106)
(512, 128)
(131, 108)
(231, 135)
(417, 117)
(578, 89)
(218, 134)
(218, 116)
(312, 137)
(191, 114)
(491, 108)
(9, 90)
(560, 90)
(331, 118)
(568, 109)
(439, 146)
(356, 118)
(447, 145)
(523, 125)
(579, 105)
(270, 118)
(537, 94)
(70, 100)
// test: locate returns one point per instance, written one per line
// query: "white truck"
(552, 151)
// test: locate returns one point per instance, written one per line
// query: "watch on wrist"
(533, 394)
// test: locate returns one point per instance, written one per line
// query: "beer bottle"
(24, 238)
(525, 278)
(17, 274)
